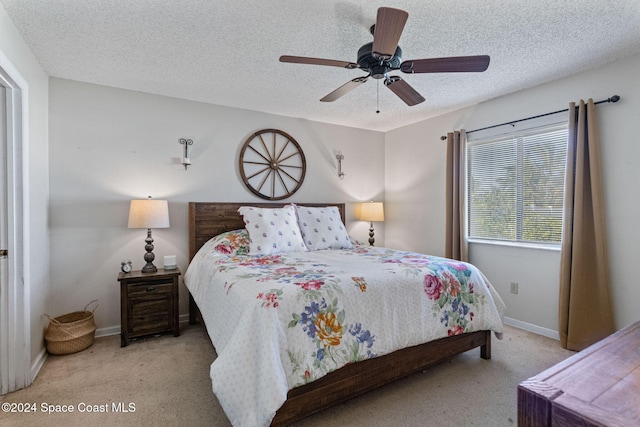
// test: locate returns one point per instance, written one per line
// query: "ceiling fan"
(383, 56)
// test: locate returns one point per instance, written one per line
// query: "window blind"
(515, 186)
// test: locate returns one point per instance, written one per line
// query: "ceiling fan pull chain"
(377, 96)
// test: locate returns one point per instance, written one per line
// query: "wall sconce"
(340, 158)
(186, 161)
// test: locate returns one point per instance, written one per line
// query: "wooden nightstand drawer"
(148, 317)
(149, 325)
(145, 309)
(148, 303)
(147, 290)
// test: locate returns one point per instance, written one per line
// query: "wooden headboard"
(208, 219)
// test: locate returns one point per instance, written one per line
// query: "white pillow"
(272, 230)
(322, 228)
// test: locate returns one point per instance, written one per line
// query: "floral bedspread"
(280, 321)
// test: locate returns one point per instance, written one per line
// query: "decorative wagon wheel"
(272, 164)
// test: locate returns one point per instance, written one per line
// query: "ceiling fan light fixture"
(378, 71)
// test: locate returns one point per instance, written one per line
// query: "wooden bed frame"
(207, 220)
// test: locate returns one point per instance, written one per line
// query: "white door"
(3, 190)
(4, 264)
(15, 343)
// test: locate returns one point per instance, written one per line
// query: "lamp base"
(149, 256)
(149, 268)
(371, 239)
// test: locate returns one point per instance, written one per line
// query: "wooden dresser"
(599, 386)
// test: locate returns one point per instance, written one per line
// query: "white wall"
(110, 145)
(18, 57)
(415, 182)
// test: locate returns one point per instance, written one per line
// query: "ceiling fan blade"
(456, 64)
(404, 91)
(388, 29)
(344, 89)
(318, 61)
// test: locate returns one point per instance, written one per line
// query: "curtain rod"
(614, 98)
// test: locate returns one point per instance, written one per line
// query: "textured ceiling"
(226, 52)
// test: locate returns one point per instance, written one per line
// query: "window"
(516, 186)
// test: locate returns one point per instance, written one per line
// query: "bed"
(283, 355)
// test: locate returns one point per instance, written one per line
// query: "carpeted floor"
(165, 381)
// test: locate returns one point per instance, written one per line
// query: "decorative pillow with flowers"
(234, 242)
(322, 228)
(272, 230)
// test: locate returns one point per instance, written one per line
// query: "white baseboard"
(115, 330)
(105, 332)
(550, 333)
(38, 363)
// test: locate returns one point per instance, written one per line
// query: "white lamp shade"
(372, 211)
(149, 213)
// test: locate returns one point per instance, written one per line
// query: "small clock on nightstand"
(126, 266)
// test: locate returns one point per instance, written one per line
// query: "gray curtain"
(456, 245)
(585, 314)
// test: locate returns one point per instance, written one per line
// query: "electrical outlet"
(514, 288)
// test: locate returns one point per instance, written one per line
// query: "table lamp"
(372, 211)
(149, 213)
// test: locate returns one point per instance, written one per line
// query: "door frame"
(15, 325)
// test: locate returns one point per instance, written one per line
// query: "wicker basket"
(71, 332)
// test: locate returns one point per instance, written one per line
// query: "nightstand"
(148, 303)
